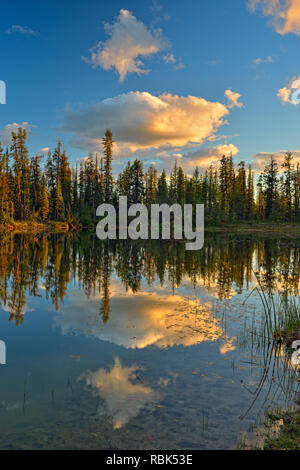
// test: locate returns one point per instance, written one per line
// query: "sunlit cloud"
(43, 150)
(124, 399)
(284, 14)
(200, 158)
(262, 159)
(128, 40)
(233, 99)
(290, 94)
(5, 133)
(145, 124)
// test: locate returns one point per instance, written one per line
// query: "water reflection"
(32, 264)
(189, 359)
(143, 319)
(122, 391)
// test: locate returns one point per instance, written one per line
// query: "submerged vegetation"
(282, 316)
(279, 333)
(32, 192)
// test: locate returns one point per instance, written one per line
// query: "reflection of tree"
(105, 307)
(28, 262)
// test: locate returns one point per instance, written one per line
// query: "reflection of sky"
(124, 399)
(143, 319)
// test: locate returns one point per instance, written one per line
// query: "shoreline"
(283, 230)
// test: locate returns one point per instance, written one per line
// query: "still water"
(138, 346)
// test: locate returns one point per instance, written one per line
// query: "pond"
(139, 345)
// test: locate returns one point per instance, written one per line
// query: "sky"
(173, 80)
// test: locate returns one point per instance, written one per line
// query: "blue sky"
(203, 49)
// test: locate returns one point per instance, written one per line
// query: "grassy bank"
(282, 230)
(286, 435)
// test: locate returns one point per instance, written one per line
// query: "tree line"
(31, 190)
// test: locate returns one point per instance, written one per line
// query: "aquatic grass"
(281, 315)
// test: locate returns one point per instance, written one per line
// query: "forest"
(54, 190)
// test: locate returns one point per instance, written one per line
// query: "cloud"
(128, 40)
(44, 150)
(260, 60)
(145, 124)
(170, 59)
(215, 62)
(201, 158)
(124, 399)
(262, 159)
(290, 94)
(16, 28)
(233, 99)
(284, 14)
(5, 133)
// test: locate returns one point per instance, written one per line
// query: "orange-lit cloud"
(128, 41)
(290, 94)
(146, 124)
(233, 99)
(201, 158)
(284, 14)
(262, 159)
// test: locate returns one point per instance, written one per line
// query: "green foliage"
(55, 191)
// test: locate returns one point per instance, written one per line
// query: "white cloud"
(128, 40)
(284, 14)
(215, 62)
(5, 133)
(145, 124)
(233, 99)
(16, 28)
(170, 59)
(201, 158)
(261, 60)
(290, 94)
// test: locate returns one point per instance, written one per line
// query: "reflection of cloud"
(141, 320)
(124, 399)
(128, 40)
(228, 346)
